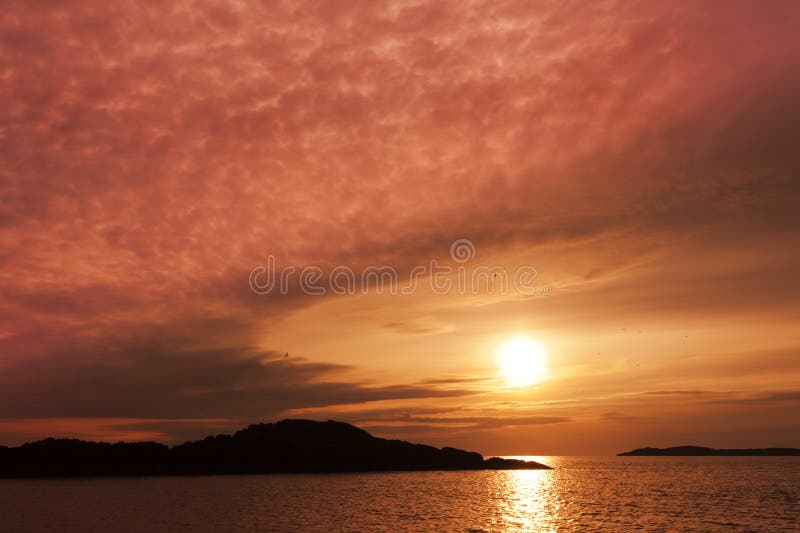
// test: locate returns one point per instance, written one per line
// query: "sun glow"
(522, 361)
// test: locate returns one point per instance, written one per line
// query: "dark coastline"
(289, 446)
(701, 451)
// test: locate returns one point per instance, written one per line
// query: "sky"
(638, 159)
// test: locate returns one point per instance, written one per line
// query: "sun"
(522, 361)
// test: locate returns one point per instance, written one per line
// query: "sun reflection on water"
(525, 499)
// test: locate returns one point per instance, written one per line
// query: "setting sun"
(522, 361)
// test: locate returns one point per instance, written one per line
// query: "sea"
(586, 494)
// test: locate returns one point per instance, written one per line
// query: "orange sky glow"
(640, 156)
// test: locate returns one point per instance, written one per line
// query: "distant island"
(288, 446)
(703, 451)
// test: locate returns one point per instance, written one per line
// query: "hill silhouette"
(288, 446)
(703, 451)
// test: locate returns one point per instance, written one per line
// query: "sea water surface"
(620, 494)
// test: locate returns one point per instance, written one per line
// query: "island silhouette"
(288, 446)
(703, 451)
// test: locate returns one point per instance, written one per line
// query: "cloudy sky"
(641, 156)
